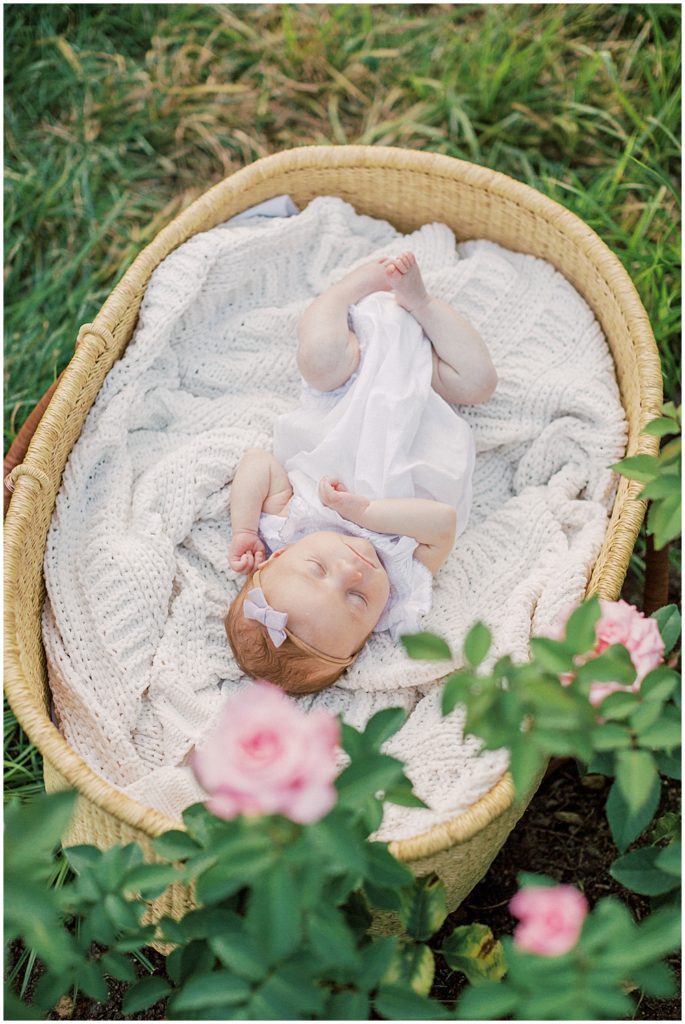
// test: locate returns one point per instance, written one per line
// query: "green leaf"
(456, 690)
(82, 857)
(661, 426)
(32, 831)
(635, 775)
(366, 776)
(338, 843)
(350, 1005)
(527, 762)
(290, 993)
(613, 665)
(639, 872)
(581, 626)
(645, 715)
(659, 684)
(404, 795)
(618, 705)
(664, 734)
(352, 739)
(669, 859)
(90, 980)
(383, 725)
(331, 939)
(473, 950)
(609, 736)
(124, 914)
(664, 486)
(238, 951)
(242, 859)
(150, 880)
(396, 1003)
(425, 907)
(426, 647)
(477, 644)
(175, 845)
(118, 966)
(664, 520)
(669, 622)
(491, 1001)
(144, 993)
(656, 980)
(412, 967)
(554, 655)
(637, 467)
(625, 824)
(383, 869)
(669, 765)
(210, 990)
(274, 914)
(376, 956)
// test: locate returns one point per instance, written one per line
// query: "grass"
(118, 116)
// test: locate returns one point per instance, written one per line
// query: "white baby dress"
(386, 434)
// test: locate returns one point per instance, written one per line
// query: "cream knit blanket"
(136, 561)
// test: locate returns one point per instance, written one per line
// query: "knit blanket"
(136, 563)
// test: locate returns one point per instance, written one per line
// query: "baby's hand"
(246, 552)
(335, 495)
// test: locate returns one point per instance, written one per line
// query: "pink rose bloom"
(621, 623)
(268, 757)
(551, 918)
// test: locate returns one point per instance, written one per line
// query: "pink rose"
(621, 623)
(551, 918)
(268, 757)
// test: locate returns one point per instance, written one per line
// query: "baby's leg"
(462, 369)
(328, 351)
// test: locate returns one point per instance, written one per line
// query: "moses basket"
(408, 189)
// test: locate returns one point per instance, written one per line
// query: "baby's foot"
(405, 280)
(370, 277)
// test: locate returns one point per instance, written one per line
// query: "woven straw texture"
(408, 189)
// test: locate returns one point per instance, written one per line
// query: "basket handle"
(17, 451)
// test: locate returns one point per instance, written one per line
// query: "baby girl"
(330, 558)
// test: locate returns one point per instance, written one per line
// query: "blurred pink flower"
(551, 918)
(268, 757)
(619, 623)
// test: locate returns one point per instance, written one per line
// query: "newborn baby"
(382, 361)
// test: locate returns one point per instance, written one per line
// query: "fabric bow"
(257, 607)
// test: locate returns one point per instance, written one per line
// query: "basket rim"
(36, 722)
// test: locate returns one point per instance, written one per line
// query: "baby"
(325, 566)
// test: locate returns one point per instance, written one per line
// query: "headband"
(258, 608)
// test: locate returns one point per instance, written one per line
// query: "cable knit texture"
(136, 561)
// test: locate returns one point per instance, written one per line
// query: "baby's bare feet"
(405, 280)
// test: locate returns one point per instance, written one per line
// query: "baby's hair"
(296, 670)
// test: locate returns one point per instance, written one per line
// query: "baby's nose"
(349, 570)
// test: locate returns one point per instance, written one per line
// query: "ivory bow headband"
(258, 608)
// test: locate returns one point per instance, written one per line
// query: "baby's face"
(333, 588)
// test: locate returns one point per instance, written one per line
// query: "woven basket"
(408, 189)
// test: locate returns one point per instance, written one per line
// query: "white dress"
(386, 434)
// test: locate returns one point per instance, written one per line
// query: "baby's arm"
(260, 485)
(432, 523)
